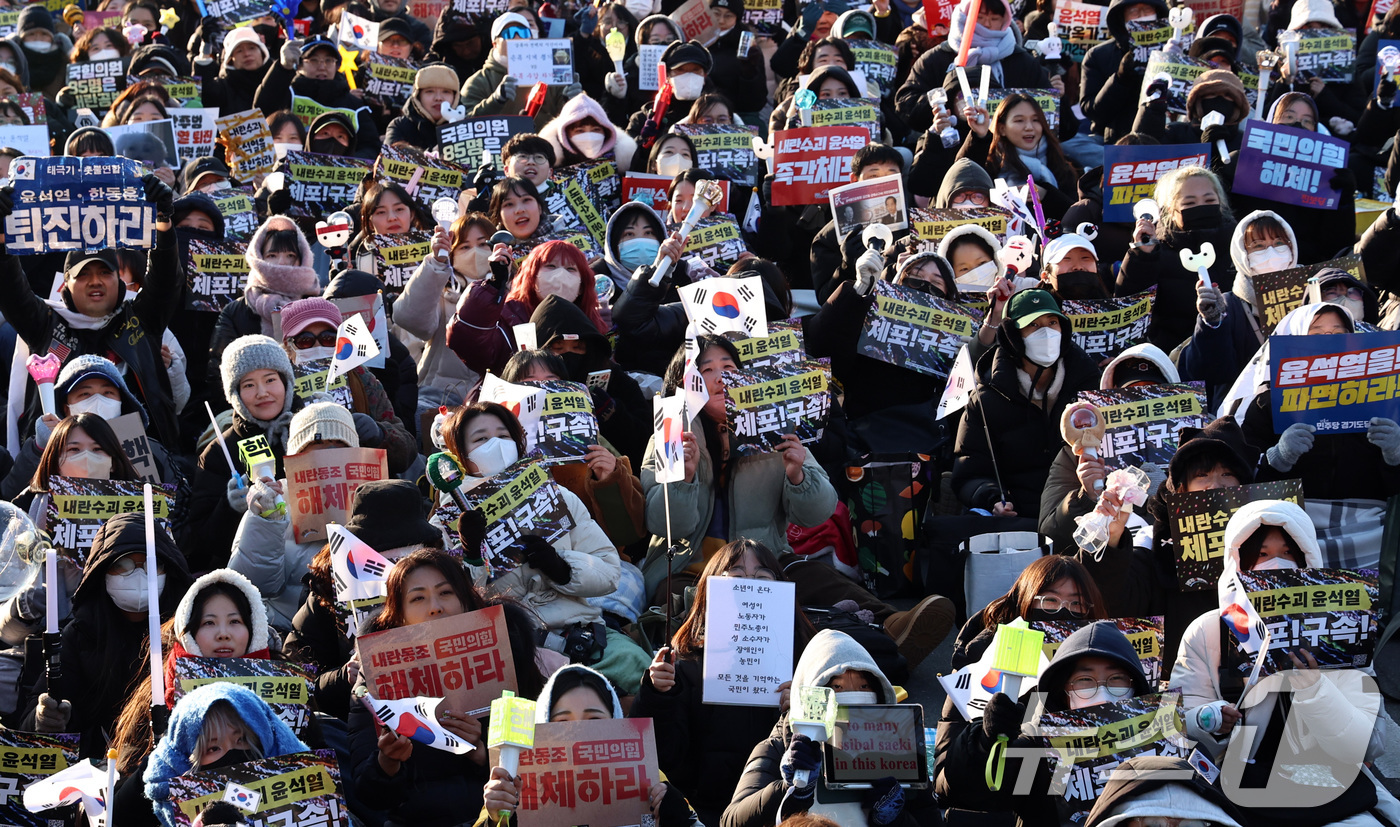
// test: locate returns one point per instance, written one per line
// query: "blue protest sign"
(1289, 165)
(1334, 382)
(69, 203)
(1130, 173)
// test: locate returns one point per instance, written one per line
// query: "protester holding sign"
(834, 256)
(688, 67)
(310, 71)
(82, 445)
(1113, 74)
(1017, 143)
(492, 90)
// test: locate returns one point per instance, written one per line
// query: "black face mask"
(329, 146)
(1080, 285)
(1040, 614)
(1220, 105)
(228, 759)
(1202, 217)
(577, 364)
(273, 37)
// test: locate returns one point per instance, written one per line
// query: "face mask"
(1078, 284)
(1099, 697)
(589, 144)
(556, 281)
(89, 465)
(723, 32)
(672, 165)
(1275, 564)
(283, 149)
(1220, 105)
(232, 757)
(688, 87)
(1043, 346)
(104, 54)
(576, 364)
(1061, 613)
(9, 67)
(1201, 217)
(328, 146)
(1355, 306)
(311, 354)
(472, 263)
(129, 591)
(854, 698)
(40, 47)
(983, 275)
(639, 10)
(635, 252)
(103, 406)
(1270, 260)
(494, 455)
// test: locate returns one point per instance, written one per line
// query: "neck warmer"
(76, 320)
(1036, 163)
(263, 302)
(989, 47)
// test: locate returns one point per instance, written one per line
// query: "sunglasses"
(515, 33)
(307, 340)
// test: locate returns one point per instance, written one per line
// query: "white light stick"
(111, 786)
(51, 591)
(1268, 61)
(985, 87)
(445, 213)
(153, 603)
(1216, 118)
(968, 99)
(219, 436)
(1180, 19)
(707, 194)
(1200, 262)
(1159, 76)
(1290, 41)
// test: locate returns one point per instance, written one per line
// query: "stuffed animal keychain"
(1083, 427)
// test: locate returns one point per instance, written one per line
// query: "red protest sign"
(655, 186)
(598, 773)
(810, 161)
(320, 485)
(694, 21)
(464, 658)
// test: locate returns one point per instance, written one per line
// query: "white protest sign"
(195, 129)
(30, 140)
(648, 58)
(550, 62)
(748, 640)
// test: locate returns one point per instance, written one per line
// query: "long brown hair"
(101, 433)
(1039, 576)
(689, 639)
(1004, 153)
(392, 615)
(132, 736)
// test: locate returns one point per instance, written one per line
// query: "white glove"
(52, 715)
(868, 268)
(1296, 440)
(262, 498)
(615, 84)
(290, 57)
(505, 93)
(1341, 127)
(237, 497)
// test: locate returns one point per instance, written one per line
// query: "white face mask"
(856, 698)
(40, 46)
(983, 275)
(1043, 346)
(104, 54)
(1100, 696)
(1275, 564)
(1151, 18)
(639, 10)
(1356, 307)
(672, 165)
(688, 87)
(9, 67)
(589, 144)
(723, 32)
(89, 465)
(556, 281)
(311, 354)
(1269, 260)
(103, 406)
(281, 150)
(129, 591)
(493, 456)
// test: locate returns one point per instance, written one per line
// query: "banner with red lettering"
(320, 485)
(1130, 173)
(809, 161)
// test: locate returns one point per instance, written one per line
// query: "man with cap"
(311, 70)
(230, 84)
(688, 67)
(1336, 286)
(1070, 267)
(331, 133)
(494, 91)
(744, 80)
(434, 86)
(204, 174)
(92, 318)
(395, 39)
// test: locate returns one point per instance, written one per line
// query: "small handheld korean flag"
(669, 422)
(958, 389)
(724, 304)
(359, 33)
(416, 719)
(80, 782)
(1250, 631)
(525, 401)
(354, 345)
(357, 569)
(696, 394)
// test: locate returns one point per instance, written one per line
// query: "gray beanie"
(250, 353)
(322, 420)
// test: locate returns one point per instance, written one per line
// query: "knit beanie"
(249, 353)
(436, 76)
(321, 421)
(89, 365)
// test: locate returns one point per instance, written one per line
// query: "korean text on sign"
(808, 162)
(464, 658)
(1198, 521)
(1131, 173)
(1336, 382)
(763, 405)
(69, 203)
(1290, 165)
(748, 640)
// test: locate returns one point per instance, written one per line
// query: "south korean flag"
(354, 345)
(668, 425)
(720, 305)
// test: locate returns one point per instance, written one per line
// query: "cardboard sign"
(133, 140)
(464, 141)
(1280, 293)
(1149, 36)
(185, 91)
(518, 501)
(78, 508)
(1145, 633)
(1330, 612)
(567, 196)
(1198, 520)
(131, 433)
(30, 140)
(464, 658)
(28, 757)
(694, 22)
(321, 184)
(1336, 382)
(763, 17)
(1290, 165)
(1048, 99)
(194, 133)
(725, 151)
(1104, 328)
(598, 773)
(748, 640)
(847, 112)
(1184, 71)
(1131, 173)
(216, 272)
(96, 83)
(240, 214)
(809, 161)
(875, 741)
(857, 205)
(579, 238)
(33, 105)
(426, 179)
(248, 143)
(556, 415)
(102, 19)
(1205, 8)
(476, 11)
(763, 405)
(396, 257)
(66, 203)
(782, 346)
(1329, 54)
(1143, 422)
(1082, 26)
(301, 788)
(285, 687)
(915, 330)
(321, 484)
(930, 226)
(532, 61)
(388, 78)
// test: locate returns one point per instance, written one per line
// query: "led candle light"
(707, 195)
(805, 100)
(51, 588)
(261, 462)
(44, 370)
(616, 42)
(814, 715)
(512, 728)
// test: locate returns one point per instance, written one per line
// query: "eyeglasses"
(321, 61)
(1342, 292)
(1119, 686)
(760, 574)
(1051, 603)
(306, 340)
(539, 160)
(126, 565)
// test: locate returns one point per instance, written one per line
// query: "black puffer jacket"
(319, 636)
(743, 80)
(280, 83)
(1108, 91)
(1337, 467)
(1174, 309)
(230, 89)
(1020, 70)
(412, 127)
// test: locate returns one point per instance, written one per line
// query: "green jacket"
(480, 86)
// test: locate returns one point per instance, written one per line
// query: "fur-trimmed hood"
(546, 699)
(1286, 515)
(615, 142)
(257, 620)
(977, 230)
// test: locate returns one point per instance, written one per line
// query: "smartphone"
(599, 379)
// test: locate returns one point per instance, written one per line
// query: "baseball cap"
(1029, 305)
(74, 262)
(1058, 248)
(508, 20)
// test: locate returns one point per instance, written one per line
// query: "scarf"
(263, 302)
(1037, 164)
(989, 47)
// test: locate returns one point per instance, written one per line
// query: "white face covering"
(688, 87)
(1100, 696)
(672, 165)
(40, 46)
(983, 275)
(723, 32)
(103, 406)
(493, 456)
(1269, 260)
(1356, 307)
(589, 144)
(855, 698)
(89, 465)
(1275, 564)
(129, 591)
(1043, 346)
(104, 54)
(9, 67)
(281, 150)
(556, 281)
(311, 354)
(640, 8)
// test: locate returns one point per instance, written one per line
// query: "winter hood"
(820, 75)
(257, 620)
(1244, 285)
(1118, 27)
(297, 281)
(1286, 515)
(964, 174)
(832, 653)
(1147, 351)
(556, 319)
(622, 217)
(126, 534)
(1158, 786)
(1313, 11)
(615, 142)
(546, 699)
(1101, 638)
(976, 230)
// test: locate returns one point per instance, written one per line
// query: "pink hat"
(303, 313)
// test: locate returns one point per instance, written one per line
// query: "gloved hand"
(505, 93)
(1219, 132)
(66, 98)
(650, 130)
(43, 430)
(1156, 474)
(52, 715)
(1129, 66)
(279, 201)
(802, 754)
(1209, 303)
(1002, 716)
(811, 14)
(1385, 94)
(1343, 180)
(868, 268)
(159, 194)
(471, 530)
(1385, 435)
(500, 275)
(543, 556)
(1296, 440)
(290, 56)
(1341, 127)
(615, 84)
(371, 434)
(1163, 90)
(574, 89)
(262, 498)
(237, 497)
(485, 177)
(884, 801)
